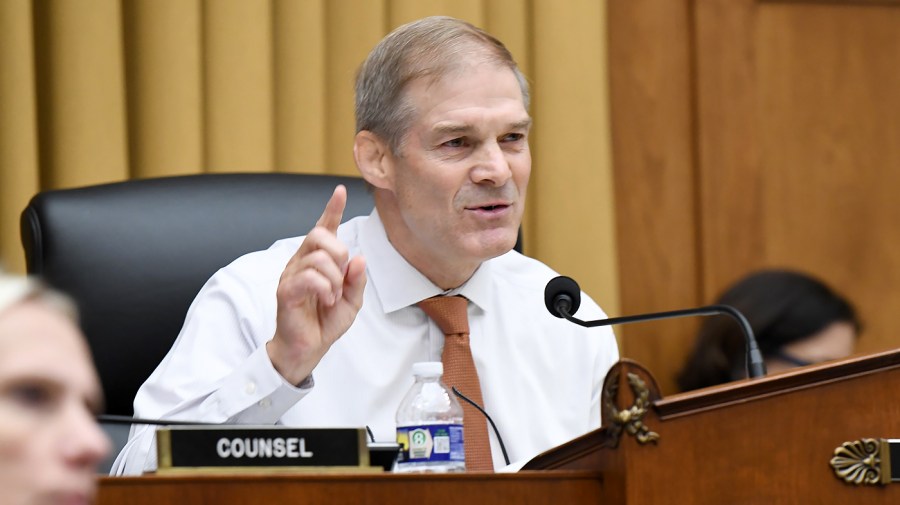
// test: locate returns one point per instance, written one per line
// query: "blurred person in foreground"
(50, 444)
(797, 320)
(323, 330)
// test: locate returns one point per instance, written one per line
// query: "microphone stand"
(485, 414)
(115, 419)
(755, 365)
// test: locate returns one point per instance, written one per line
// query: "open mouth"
(490, 207)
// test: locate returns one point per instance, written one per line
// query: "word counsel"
(278, 447)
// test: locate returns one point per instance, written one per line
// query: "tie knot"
(449, 312)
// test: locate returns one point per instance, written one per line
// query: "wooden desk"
(524, 488)
(764, 441)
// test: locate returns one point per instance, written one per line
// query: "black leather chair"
(134, 254)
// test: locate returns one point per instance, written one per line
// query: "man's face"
(50, 444)
(459, 182)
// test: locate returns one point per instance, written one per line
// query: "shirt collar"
(398, 284)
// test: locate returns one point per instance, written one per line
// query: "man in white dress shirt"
(323, 330)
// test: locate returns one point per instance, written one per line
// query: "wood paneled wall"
(750, 134)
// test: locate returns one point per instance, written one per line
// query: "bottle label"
(430, 443)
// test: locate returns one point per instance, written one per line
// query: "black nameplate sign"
(232, 447)
(894, 455)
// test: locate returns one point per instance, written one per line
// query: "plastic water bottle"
(430, 425)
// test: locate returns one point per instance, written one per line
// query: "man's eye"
(460, 142)
(513, 137)
(33, 396)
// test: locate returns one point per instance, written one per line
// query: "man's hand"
(319, 294)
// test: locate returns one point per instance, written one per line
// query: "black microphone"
(562, 296)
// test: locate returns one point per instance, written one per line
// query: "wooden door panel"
(773, 129)
(829, 123)
(812, 137)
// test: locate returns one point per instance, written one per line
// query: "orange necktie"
(449, 312)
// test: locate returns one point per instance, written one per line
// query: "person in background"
(50, 444)
(323, 330)
(797, 321)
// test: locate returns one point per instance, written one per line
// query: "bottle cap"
(428, 369)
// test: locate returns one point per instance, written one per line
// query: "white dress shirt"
(540, 376)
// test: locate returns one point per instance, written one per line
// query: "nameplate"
(233, 448)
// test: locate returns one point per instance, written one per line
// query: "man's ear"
(374, 159)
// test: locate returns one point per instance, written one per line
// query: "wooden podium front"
(527, 488)
(760, 441)
(763, 441)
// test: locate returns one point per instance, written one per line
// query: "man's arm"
(319, 295)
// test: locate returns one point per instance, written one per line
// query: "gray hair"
(432, 47)
(17, 289)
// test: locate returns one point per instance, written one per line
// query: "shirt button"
(265, 403)
(250, 388)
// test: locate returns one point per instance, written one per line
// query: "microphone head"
(562, 295)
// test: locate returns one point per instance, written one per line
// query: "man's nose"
(84, 444)
(491, 165)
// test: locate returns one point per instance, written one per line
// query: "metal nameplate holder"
(258, 449)
(867, 461)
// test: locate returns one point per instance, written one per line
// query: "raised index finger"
(334, 209)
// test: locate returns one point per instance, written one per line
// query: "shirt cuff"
(256, 393)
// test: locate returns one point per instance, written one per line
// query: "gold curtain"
(96, 91)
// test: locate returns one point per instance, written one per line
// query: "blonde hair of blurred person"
(50, 443)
